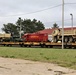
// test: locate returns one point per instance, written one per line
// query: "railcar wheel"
(21, 45)
(4, 44)
(70, 39)
(25, 45)
(42, 46)
(29, 45)
(65, 39)
(51, 46)
(47, 46)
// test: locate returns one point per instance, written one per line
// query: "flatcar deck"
(42, 44)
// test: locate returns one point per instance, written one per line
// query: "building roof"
(49, 31)
(69, 28)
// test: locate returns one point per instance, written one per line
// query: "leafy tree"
(29, 26)
(55, 25)
(37, 25)
(10, 28)
(25, 25)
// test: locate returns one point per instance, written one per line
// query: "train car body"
(36, 37)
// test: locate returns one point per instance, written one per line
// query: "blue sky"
(10, 10)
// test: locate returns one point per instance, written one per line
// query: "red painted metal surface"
(36, 37)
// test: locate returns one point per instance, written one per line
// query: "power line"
(38, 10)
(34, 11)
(50, 7)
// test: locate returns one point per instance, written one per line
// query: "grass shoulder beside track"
(65, 57)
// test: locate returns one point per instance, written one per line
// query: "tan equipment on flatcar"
(5, 35)
(69, 35)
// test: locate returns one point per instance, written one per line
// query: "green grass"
(66, 57)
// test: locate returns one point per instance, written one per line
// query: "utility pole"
(20, 27)
(62, 24)
(72, 20)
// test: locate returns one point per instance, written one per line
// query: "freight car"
(7, 37)
(41, 39)
(69, 35)
(35, 39)
(30, 39)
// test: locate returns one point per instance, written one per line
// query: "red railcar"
(35, 37)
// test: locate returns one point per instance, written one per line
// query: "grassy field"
(66, 57)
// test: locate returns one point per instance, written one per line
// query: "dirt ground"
(10, 66)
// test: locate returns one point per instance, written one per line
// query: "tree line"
(23, 26)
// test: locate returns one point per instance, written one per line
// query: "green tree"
(10, 28)
(24, 25)
(29, 26)
(37, 25)
(55, 25)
